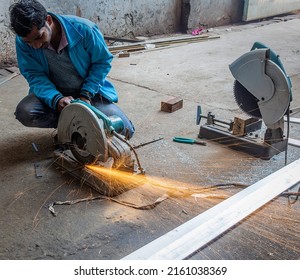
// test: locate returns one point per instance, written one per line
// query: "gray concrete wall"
(132, 17)
(7, 52)
(211, 13)
(122, 17)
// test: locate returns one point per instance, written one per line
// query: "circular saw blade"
(81, 130)
(245, 100)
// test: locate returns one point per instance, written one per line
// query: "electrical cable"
(287, 135)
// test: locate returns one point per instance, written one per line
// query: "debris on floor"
(6, 74)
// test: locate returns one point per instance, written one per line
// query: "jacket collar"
(72, 35)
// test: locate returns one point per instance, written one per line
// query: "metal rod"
(211, 118)
(38, 170)
(34, 146)
(132, 148)
(146, 143)
(294, 110)
(4, 80)
(293, 120)
(294, 142)
(191, 236)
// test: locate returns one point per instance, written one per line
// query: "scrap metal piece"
(38, 170)
(34, 146)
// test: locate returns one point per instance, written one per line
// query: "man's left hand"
(63, 102)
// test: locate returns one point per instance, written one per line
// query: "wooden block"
(238, 126)
(242, 126)
(172, 104)
(124, 54)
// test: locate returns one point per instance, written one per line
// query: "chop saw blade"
(81, 130)
(245, 100)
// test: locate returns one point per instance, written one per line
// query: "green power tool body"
(87, 137)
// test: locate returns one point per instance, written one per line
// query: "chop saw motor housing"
(262, 90)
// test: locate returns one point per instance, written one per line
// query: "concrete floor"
(102, 229)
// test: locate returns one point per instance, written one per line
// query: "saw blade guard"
(81, 130)
(266, 81)
(93, 138)
(276, 59)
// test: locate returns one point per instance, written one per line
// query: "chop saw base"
(251, 146)
(64, 160)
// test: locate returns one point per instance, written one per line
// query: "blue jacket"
(88, 52)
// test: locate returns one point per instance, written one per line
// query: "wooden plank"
(128, 40)
(128, 48)
(161, 43)
(186, 239)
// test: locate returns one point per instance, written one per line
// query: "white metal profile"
(196, 233)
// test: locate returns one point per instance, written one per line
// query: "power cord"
(287, 135)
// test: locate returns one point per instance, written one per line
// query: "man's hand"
(62, 103)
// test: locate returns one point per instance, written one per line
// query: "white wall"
(255, 9)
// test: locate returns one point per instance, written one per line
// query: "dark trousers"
(32, 112)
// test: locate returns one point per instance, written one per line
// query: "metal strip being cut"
(186, 239)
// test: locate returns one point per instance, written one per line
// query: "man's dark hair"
(25, 14)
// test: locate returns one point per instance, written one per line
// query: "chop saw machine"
(86, 136)
(262, 89)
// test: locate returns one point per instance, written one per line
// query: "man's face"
(39, 39)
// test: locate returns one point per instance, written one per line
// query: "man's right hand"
(63, 102)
